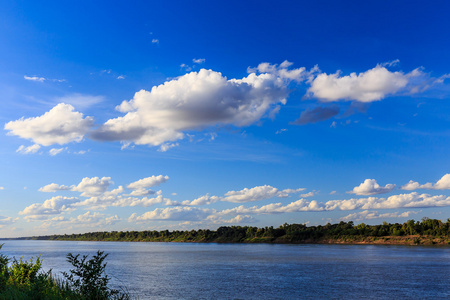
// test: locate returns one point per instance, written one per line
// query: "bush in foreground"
(21, 279)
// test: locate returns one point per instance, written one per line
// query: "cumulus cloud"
(276, 208)
(92, 186)
(281, 71)
(254, 194)
(113, 198)
(441, 184)
(412, 200)
(60, 125)
(371, 85)
(182, 213)
(99, 197)
(53, 187)
(53, 206)
(239, 219)
(396, 201)
(414, 185)
(148, 182)
(203, 200)
(317, 114)
(369, 215)
(28, 150)
(191, 102)
(371, 187)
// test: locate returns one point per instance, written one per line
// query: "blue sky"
(199, 114)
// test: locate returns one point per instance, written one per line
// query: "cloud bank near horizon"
(98, 195)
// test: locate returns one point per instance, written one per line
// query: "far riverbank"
(425, 232)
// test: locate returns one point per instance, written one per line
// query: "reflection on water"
(258, 271)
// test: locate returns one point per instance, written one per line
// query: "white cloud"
(121, 77)
(372, 85)
(390, 63)
(155, 41)
(103, 201)
(60, 125)
(286, 192)
(34, 78)
(53, 206)
(148, 182)
(203, 200)
(239, 219)
(86, 220)
(371, 187)
(441, 184)
(412, 200)
(186, 67)
(28, 150)
(53, 187)
(198, 60)
(369, 215)
(310, 194)
(281, 131)
(5, 221)
(141, 192)
(191, 102)
(173, 214)
(92, 186)
(56, 151)
(281, 71)
(414, 185)
(276, 208)
(166, 146)
(254, 194)
(396, 201)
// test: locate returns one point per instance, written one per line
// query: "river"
(258, 271)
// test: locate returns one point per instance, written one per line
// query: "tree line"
(286, 233)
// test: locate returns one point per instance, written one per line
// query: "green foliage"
(4, 272)
(89, 279)
(25, 280)
(286, 233)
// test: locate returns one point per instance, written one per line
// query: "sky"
(180, 115)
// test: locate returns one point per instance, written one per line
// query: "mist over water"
(258, 271)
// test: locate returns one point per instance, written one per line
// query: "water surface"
(258, 271)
